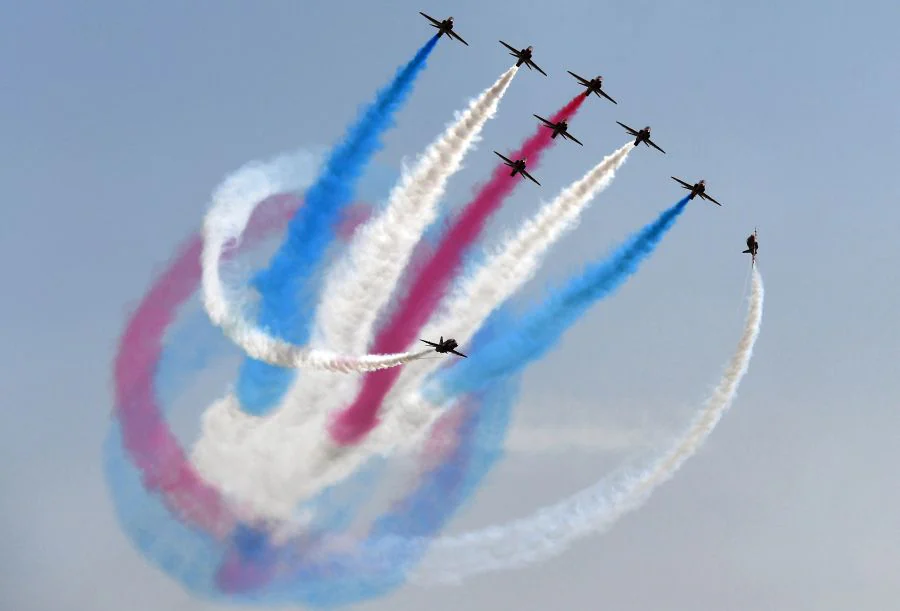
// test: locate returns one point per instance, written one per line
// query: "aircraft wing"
(654, 146)
(429, 343)
(600, 92)
(705, 196)
(527, 175)
(430, 18)
(506, 159)
(628, 129)
(581, 79)
(536, 67)
(545, 121)
(457, 37)
(571, 137)
(513, 49)
(682, 183)
(458, 354)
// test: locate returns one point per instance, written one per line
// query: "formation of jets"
(595, 86)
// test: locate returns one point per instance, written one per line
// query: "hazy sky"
(118, 119)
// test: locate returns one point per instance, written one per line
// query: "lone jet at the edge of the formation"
(641, 136)
(696, 189)
(443, 346)
(444, 27)
(752, 246)
(593, 86)
(559, 129)
(523, 56)
(518, 167)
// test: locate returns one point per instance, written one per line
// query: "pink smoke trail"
(146, 436)
(431, 282)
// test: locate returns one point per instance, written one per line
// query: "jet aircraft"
(593, 86)
(559, 129)
(696, 189)
(524, 57)
(752, 246)
(444, 27)
(641, 136)
(448, 345)
(518, 167)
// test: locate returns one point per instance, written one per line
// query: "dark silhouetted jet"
(696, 189)
(593, 86)
(752, 245)
(641, 136)
(523, 56)
(443, 346)
(444, 27)
(518, 167)
(559, 129)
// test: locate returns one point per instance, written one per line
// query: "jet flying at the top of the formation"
(444, 27)
(641, 136)
(523, 56)
(593, 86)
(698, 188)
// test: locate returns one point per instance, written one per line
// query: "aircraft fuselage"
(447, 346)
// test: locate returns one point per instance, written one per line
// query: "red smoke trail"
(432, 280)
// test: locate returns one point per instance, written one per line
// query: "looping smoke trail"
(233, 204)
(431, 281)
(357, 291)
(504, 272)
(541, 329)
(285, 291)
(595, 509)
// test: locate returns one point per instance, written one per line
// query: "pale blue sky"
(118, 120)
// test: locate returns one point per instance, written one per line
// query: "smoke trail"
(284, 290)
(358, 290)
(513, 264)
(538, 331)
(233, 204)
(432, 279)
(595, 509)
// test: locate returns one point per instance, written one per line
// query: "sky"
(119, 119)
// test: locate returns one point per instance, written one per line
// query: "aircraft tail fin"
(746, 251)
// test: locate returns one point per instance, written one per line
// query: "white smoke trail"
(233, 204)
(503, 273)
(595, 509)
(358, 289)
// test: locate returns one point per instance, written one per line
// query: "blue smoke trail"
(285, 288)
(372, 569)
(539, 330)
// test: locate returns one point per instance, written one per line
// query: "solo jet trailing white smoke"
(552, 529)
